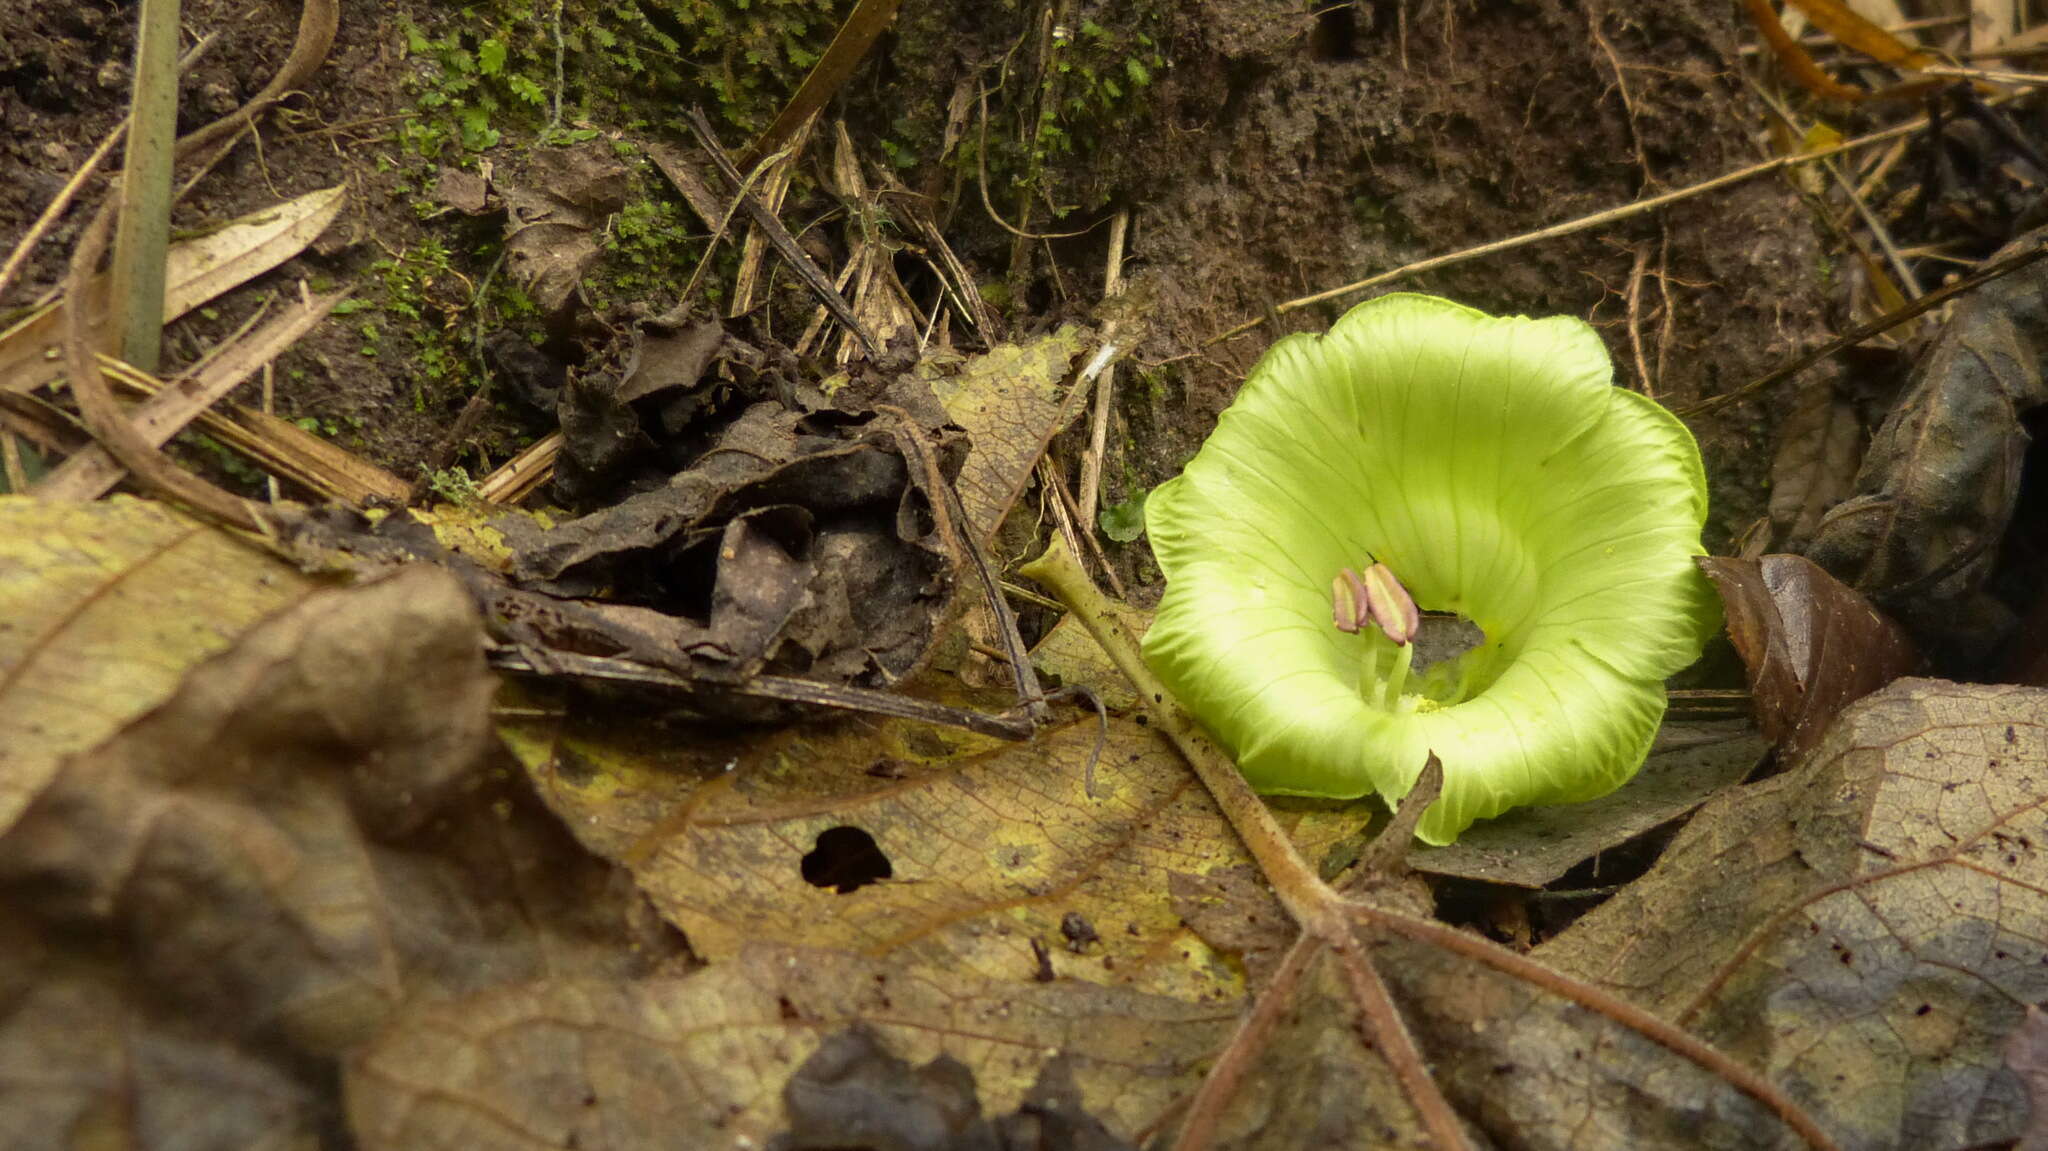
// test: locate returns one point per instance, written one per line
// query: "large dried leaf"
(103, 608)
(702, 1061)
(1866, 928)
(989, 848)
(244, 882)
(1938, 487)
(1812, 646)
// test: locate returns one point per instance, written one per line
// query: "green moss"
(491, 68)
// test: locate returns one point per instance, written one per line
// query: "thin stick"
(609, 669)
(1396, 1044)
(1105, 388)
(1569, 227)
(270, 409)
(1307, 898)
(1066, 502)
(1321, 911)
(799, 260)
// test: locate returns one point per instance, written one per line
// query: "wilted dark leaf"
(1865, 927)
(785, 548)
(1942, 477)
(1534, 846)
(1812, 646)
(1819, 448)
(556, 203)
(852, 1092)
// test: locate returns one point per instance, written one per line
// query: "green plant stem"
(143, 228)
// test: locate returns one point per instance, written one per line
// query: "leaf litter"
(296, 830)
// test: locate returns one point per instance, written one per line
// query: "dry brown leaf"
(702, 1061)
(1819, 448)
(1865, 928)
(103, 608)
(1812, 646)
(989, 846)
(242, 883)
(1011, 402)
(1938, 488)
(1535, 846)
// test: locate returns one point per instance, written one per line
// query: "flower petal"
(1490, 463)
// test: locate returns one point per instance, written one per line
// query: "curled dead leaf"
(1812, 645)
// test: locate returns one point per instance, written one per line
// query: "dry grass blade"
(284, 449)
(1105, 388)
(523, 474)
(154, 471)
(92, 473)
(197, 270)
(849, 46)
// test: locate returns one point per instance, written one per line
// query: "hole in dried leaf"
(845, 859)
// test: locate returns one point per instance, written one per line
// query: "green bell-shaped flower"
(1492, 467)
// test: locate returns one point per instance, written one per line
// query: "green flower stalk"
(1423, 453)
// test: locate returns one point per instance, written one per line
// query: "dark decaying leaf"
(1864, 928)
(1938, 488)
(557, 202)
(1812, 646)
(808, 549)
(202, 912)
(1819, 448)
(608, 432)
(1535, 846)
